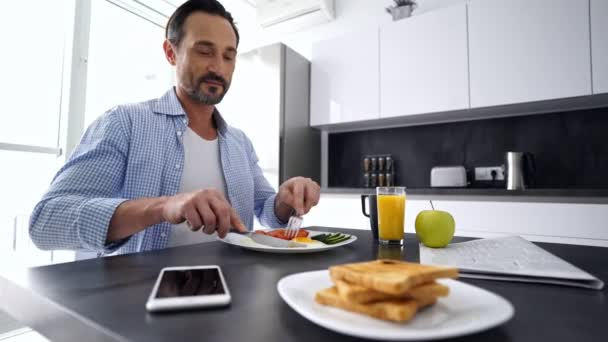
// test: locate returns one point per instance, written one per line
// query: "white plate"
(246, 242)
(468, 309)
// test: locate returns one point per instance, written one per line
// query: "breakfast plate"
(315, 246)
(467, 310)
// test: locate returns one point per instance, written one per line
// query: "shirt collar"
(169, 104)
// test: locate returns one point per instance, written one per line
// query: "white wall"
(585, 224)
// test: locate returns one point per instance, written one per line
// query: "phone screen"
(195, 282)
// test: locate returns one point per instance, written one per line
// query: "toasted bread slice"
(395, 310)
(390, 276)
(359, 294)
(425, 303)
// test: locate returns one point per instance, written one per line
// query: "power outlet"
(489, 173)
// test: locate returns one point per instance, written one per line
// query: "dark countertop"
(599, 196)
(103, 299)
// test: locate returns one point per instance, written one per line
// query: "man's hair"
(174, 31)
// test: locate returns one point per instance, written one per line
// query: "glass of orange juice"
(391, 214)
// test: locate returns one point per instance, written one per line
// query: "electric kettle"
(519, 170)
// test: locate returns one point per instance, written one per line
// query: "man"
(150, 175)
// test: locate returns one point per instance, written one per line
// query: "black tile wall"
(570, 148)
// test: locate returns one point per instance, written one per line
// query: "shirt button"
(177, 166)
(185, 121)
(179, 133)
(163, 234)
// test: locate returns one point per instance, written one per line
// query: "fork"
(293, 226)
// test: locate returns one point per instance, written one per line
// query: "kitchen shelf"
(599, 196)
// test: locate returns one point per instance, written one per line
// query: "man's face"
(205, 58)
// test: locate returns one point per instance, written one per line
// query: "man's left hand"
(299, 194)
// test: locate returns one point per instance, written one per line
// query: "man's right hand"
(204, 208)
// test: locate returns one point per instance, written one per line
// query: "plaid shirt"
(135, 151)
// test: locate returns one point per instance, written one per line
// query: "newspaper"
(510, 258)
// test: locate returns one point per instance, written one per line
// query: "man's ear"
(170, 52)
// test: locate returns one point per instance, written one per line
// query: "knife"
(269, 240)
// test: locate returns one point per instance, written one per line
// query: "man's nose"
(216, 65)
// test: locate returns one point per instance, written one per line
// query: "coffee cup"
(373, 213)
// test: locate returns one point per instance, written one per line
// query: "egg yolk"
(303, 239)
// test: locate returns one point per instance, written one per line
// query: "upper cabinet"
(522, 50)
(344, 79)
(423, 63)
(482, 53)
(599, 45)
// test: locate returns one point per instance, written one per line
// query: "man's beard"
(216, 95)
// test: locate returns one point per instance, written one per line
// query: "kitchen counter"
(104, 299)
(597, 196)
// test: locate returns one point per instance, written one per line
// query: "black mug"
(373, 213)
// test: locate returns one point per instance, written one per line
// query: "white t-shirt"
(202, 170)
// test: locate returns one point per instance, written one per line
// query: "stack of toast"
(385, 289)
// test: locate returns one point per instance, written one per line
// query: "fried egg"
(308, 241)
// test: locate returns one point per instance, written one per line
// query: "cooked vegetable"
(331, 239)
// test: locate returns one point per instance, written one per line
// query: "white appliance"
(448, 176)
(292, 15)
(269, 100)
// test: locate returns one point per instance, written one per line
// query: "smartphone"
(187, 287)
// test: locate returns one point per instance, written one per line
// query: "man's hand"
(204, 208)
(299, 194)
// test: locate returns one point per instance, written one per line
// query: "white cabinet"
(599, 45)
(522, 50)
(344, 79)
(423, 63)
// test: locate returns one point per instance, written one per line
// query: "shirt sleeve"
(263, 193)
(76, 210)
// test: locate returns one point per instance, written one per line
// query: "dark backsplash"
(570, 148)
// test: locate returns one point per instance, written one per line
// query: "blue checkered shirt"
(136, 151)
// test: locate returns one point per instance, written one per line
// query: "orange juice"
(391, 214)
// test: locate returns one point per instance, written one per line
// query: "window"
(32, 69)
(126, 60)
(23, 179)
(125, 64)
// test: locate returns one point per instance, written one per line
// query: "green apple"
(435, 228)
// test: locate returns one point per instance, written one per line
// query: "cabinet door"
(423, 63)
(344, 79)
(522, 50)
(599, 45)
